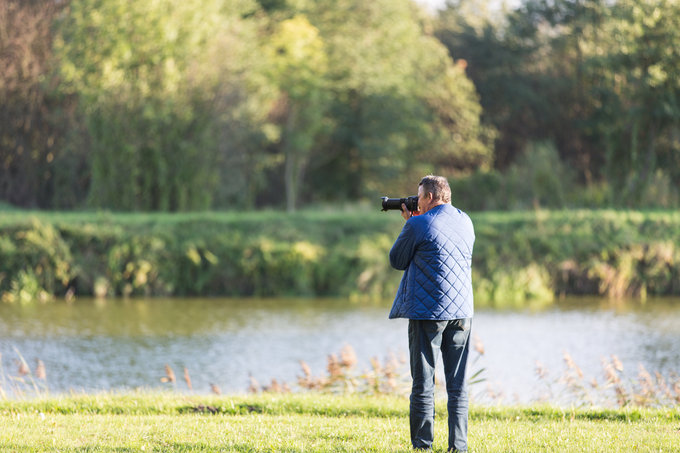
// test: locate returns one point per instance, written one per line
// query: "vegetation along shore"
(519, 256)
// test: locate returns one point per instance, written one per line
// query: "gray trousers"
(426, 338)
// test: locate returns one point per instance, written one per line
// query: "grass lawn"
(313, 423)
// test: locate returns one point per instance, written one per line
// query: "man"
(435, 251)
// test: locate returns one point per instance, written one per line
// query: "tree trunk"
(290, 175)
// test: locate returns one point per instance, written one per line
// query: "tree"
(637, 67)
(188, 104)
(401, 107)
(142, 73)
(33, 120)
(597, 78)
(298, 68)
(528, 67)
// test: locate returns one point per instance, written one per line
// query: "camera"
(390, 204)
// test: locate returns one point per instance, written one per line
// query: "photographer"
(435, 294)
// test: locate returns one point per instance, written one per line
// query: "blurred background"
(195, 105)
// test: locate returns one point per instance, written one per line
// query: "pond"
(112, 345)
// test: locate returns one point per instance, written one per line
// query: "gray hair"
(438, 186)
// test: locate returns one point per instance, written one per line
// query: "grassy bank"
(519, 256)
(312, 423)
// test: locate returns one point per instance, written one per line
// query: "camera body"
(393, 204)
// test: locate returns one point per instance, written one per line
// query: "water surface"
(93, 345)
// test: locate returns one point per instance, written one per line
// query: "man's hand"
(405, 213)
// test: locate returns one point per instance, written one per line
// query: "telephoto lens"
(394, 204)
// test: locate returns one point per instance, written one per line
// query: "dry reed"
(647, 390)
(187, 378)
(40, 372)
(24, 383)
(390, 376)
(169, 375)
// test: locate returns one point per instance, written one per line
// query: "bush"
(518, 256)
(537, 179)
(34, 262)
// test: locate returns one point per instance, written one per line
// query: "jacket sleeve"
(404, 247)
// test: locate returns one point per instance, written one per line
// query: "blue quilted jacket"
(435, 251)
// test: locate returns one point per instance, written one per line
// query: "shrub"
(34, 261)
(537, 179)
(518, 256)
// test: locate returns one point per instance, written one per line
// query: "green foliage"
(191, 105)
(514, 288)
(36, 263)
(401, 106)
(188, 105)
(25, 289)
(519, 258)
(537, 179)
(298, 65)
(146, 82)
(636, 66)
(594, 77)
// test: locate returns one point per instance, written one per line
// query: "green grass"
(313, 423)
